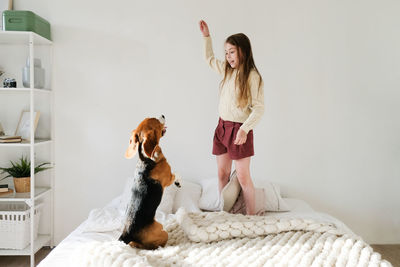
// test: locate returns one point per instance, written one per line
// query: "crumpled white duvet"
(109, 219)
(284, 245)
(103, 220)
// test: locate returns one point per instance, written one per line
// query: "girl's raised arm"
(204, 28)
(214, 63)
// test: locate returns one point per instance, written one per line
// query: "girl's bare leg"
(243, 174)
(224, 164)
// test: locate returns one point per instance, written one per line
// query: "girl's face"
(232, 55)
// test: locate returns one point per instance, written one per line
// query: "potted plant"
(21, 172)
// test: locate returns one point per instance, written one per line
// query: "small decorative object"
(21, 172)
(24, 124)
(38, 73)
(9, 83)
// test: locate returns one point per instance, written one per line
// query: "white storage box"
(15, 225)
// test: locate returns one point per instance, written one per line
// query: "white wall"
(330, 133)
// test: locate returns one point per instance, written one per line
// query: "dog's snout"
(162, 119)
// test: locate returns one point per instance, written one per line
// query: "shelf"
(16, 41)
(40, 241)
(14, 197)
(35, 90)
(25, 143)
(20, 37)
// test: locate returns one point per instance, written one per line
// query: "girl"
(241, 106)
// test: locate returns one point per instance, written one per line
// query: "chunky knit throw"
(223, 239)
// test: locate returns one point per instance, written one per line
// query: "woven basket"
(15, 225)
(22, 185)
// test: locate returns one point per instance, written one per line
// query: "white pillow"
(230, 192)
(187, 196)
(273, 198)
(167, 200)
(267, 198)
(210, 197)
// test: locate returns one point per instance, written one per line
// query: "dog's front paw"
(178, 180)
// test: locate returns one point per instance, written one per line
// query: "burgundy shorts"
(225, 135)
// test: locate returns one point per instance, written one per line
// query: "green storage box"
(19, 20)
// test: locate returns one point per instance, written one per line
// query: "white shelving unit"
(31, 40)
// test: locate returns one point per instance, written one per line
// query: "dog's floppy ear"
(150, 143)
(133, 145)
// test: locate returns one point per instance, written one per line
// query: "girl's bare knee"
(245, 181)
(224, 174)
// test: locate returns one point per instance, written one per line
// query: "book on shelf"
(6, 193)
(9, 137)
(3, 188)
(11, 140)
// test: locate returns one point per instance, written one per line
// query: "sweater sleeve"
(257, 103)
(214, 63)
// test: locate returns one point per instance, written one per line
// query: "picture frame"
(24, 124)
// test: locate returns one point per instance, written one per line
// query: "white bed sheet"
(60, 255)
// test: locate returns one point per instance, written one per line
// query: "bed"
(300, 236)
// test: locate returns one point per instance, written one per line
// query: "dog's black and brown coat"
(152, 175)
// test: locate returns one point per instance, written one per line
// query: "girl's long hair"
(246, 64)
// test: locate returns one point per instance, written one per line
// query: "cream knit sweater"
(228, 107)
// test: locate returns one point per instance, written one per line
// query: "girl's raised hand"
(204, 28)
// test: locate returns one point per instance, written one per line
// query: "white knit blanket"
(216, 226)
(223, 239)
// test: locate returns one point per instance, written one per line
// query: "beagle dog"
(152, 175)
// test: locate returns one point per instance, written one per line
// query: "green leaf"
(23, 168)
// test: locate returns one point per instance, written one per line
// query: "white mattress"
(60, 255)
